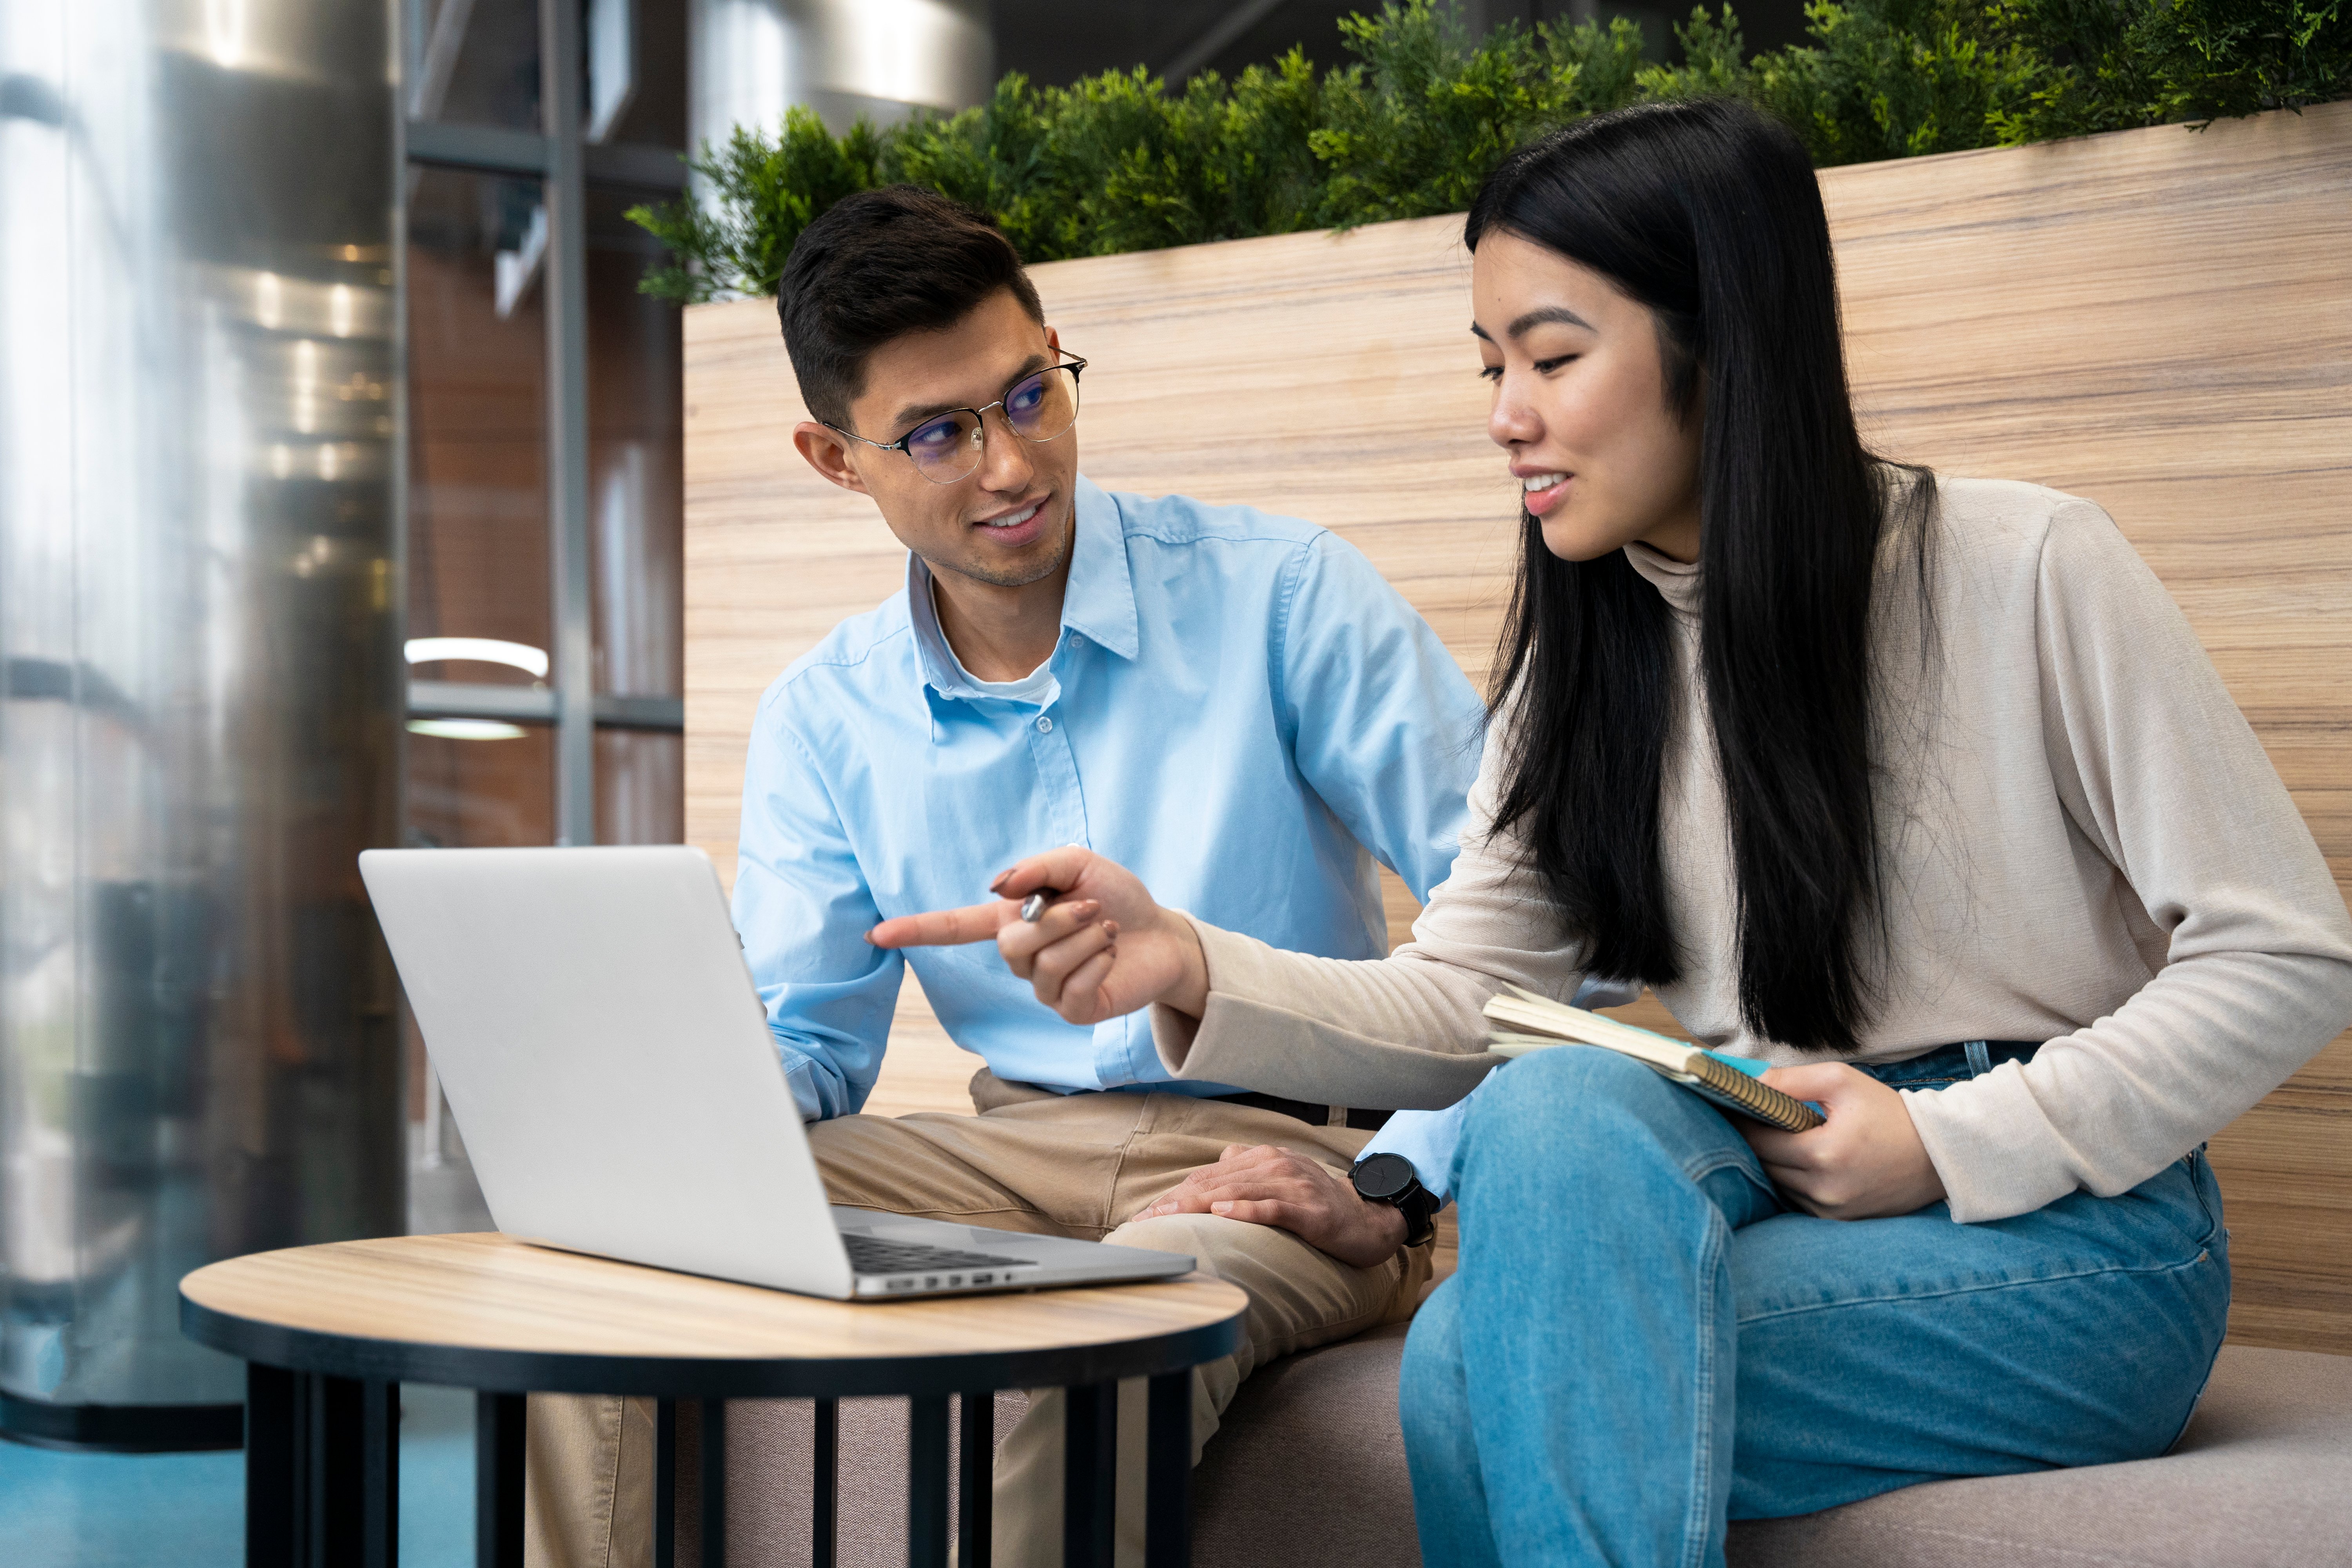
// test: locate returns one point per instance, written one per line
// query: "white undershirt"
(1032, 688)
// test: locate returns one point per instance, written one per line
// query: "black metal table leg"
(714, 1483)
(926, 1481)
(497, 1480)
(976, 1478)
(277, 1406)
(335, 1467)
(1089, 1472)
(824, 1501)
(664, 1483)
(379, 1474)
(1168, 1473)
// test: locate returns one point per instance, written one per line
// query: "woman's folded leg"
(1449, 1495)
(1642, 1341)
(1593, 1316)
(1880, 1352)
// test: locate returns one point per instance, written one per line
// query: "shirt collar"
(1097, 602)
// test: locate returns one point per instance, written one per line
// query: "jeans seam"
(2203, 1255)
(1709, 1165)
(1718, 1160)
(1701, 1513)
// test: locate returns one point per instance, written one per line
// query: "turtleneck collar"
(1676, 581)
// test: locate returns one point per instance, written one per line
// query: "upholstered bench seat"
(1309, 1472)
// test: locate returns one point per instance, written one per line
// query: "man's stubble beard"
(1053, 564)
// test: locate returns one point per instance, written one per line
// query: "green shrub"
(1412, 123)
(2114, 64)
(764, 193)
(1895, 79)
(1415, 125)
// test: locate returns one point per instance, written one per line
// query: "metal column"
(200, 681)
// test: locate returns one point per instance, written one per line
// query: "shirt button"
(1045, 725)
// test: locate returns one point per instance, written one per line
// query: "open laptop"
(609, 1064)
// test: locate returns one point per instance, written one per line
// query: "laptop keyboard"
(875, 1255)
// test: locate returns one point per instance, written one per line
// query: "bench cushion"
(1309, 1472)
(2263, 1477)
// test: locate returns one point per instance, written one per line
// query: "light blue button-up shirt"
(1240, 710)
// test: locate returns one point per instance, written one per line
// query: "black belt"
(1307, 1111)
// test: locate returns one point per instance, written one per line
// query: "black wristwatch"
(1391, 1179)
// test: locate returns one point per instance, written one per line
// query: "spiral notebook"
(1527, 1022)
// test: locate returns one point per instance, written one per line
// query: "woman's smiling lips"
(1017, 526)
(1541, 490)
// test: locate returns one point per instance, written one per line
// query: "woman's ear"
(826, 451)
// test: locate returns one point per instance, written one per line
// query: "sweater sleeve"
(1403, 1032)
(2162, 776)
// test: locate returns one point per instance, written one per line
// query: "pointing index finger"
(944, 928)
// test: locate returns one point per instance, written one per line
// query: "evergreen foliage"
(2119, 63)
(1410, 126)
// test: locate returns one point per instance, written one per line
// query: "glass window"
(473, 62)
(637, 80)
(476, 783)
(478, 542)
(636, 436)
(640, 783)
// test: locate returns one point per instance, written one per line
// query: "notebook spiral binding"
(1754, 1096)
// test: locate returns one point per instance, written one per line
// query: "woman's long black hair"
(1707, 213)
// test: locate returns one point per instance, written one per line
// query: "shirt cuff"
(1996, 1152)
(1429, 1140)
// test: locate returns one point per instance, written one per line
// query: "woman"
(1849, 764)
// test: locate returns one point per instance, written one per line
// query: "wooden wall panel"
(2161, 320)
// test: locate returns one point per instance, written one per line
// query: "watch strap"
(1419, 1207)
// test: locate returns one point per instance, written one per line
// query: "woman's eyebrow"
(1545, 315)
(1541, 316)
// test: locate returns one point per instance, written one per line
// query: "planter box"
(2161, 320)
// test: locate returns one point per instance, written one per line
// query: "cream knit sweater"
(2088, 848)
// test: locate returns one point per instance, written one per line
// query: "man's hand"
(1265, 1185)
(1103, 948)
(1867, 1162)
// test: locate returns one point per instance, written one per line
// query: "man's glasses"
(947, 447)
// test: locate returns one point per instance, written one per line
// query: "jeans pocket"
(2201, 1182)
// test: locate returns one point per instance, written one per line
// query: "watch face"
(1382, 1177)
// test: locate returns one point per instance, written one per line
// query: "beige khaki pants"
(1079, 1165)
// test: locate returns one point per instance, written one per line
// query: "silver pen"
(1032, 907)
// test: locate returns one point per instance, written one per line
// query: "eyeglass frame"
(1074, 364)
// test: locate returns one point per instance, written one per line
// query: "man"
(1235, 705)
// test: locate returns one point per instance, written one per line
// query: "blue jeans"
(1644, 1341)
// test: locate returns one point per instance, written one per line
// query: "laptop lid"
(606, 1056)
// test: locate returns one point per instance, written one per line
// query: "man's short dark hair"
(877, 266)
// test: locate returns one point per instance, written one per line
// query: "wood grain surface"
(490, 1292)
(2161, 320)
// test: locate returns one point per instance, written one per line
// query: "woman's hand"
(1102, 947)
(1262, 1185)
(1867, 1162)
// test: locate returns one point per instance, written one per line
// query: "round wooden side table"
(330, 1333)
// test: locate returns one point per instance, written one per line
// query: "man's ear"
(827, 451)
(1053, 339)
